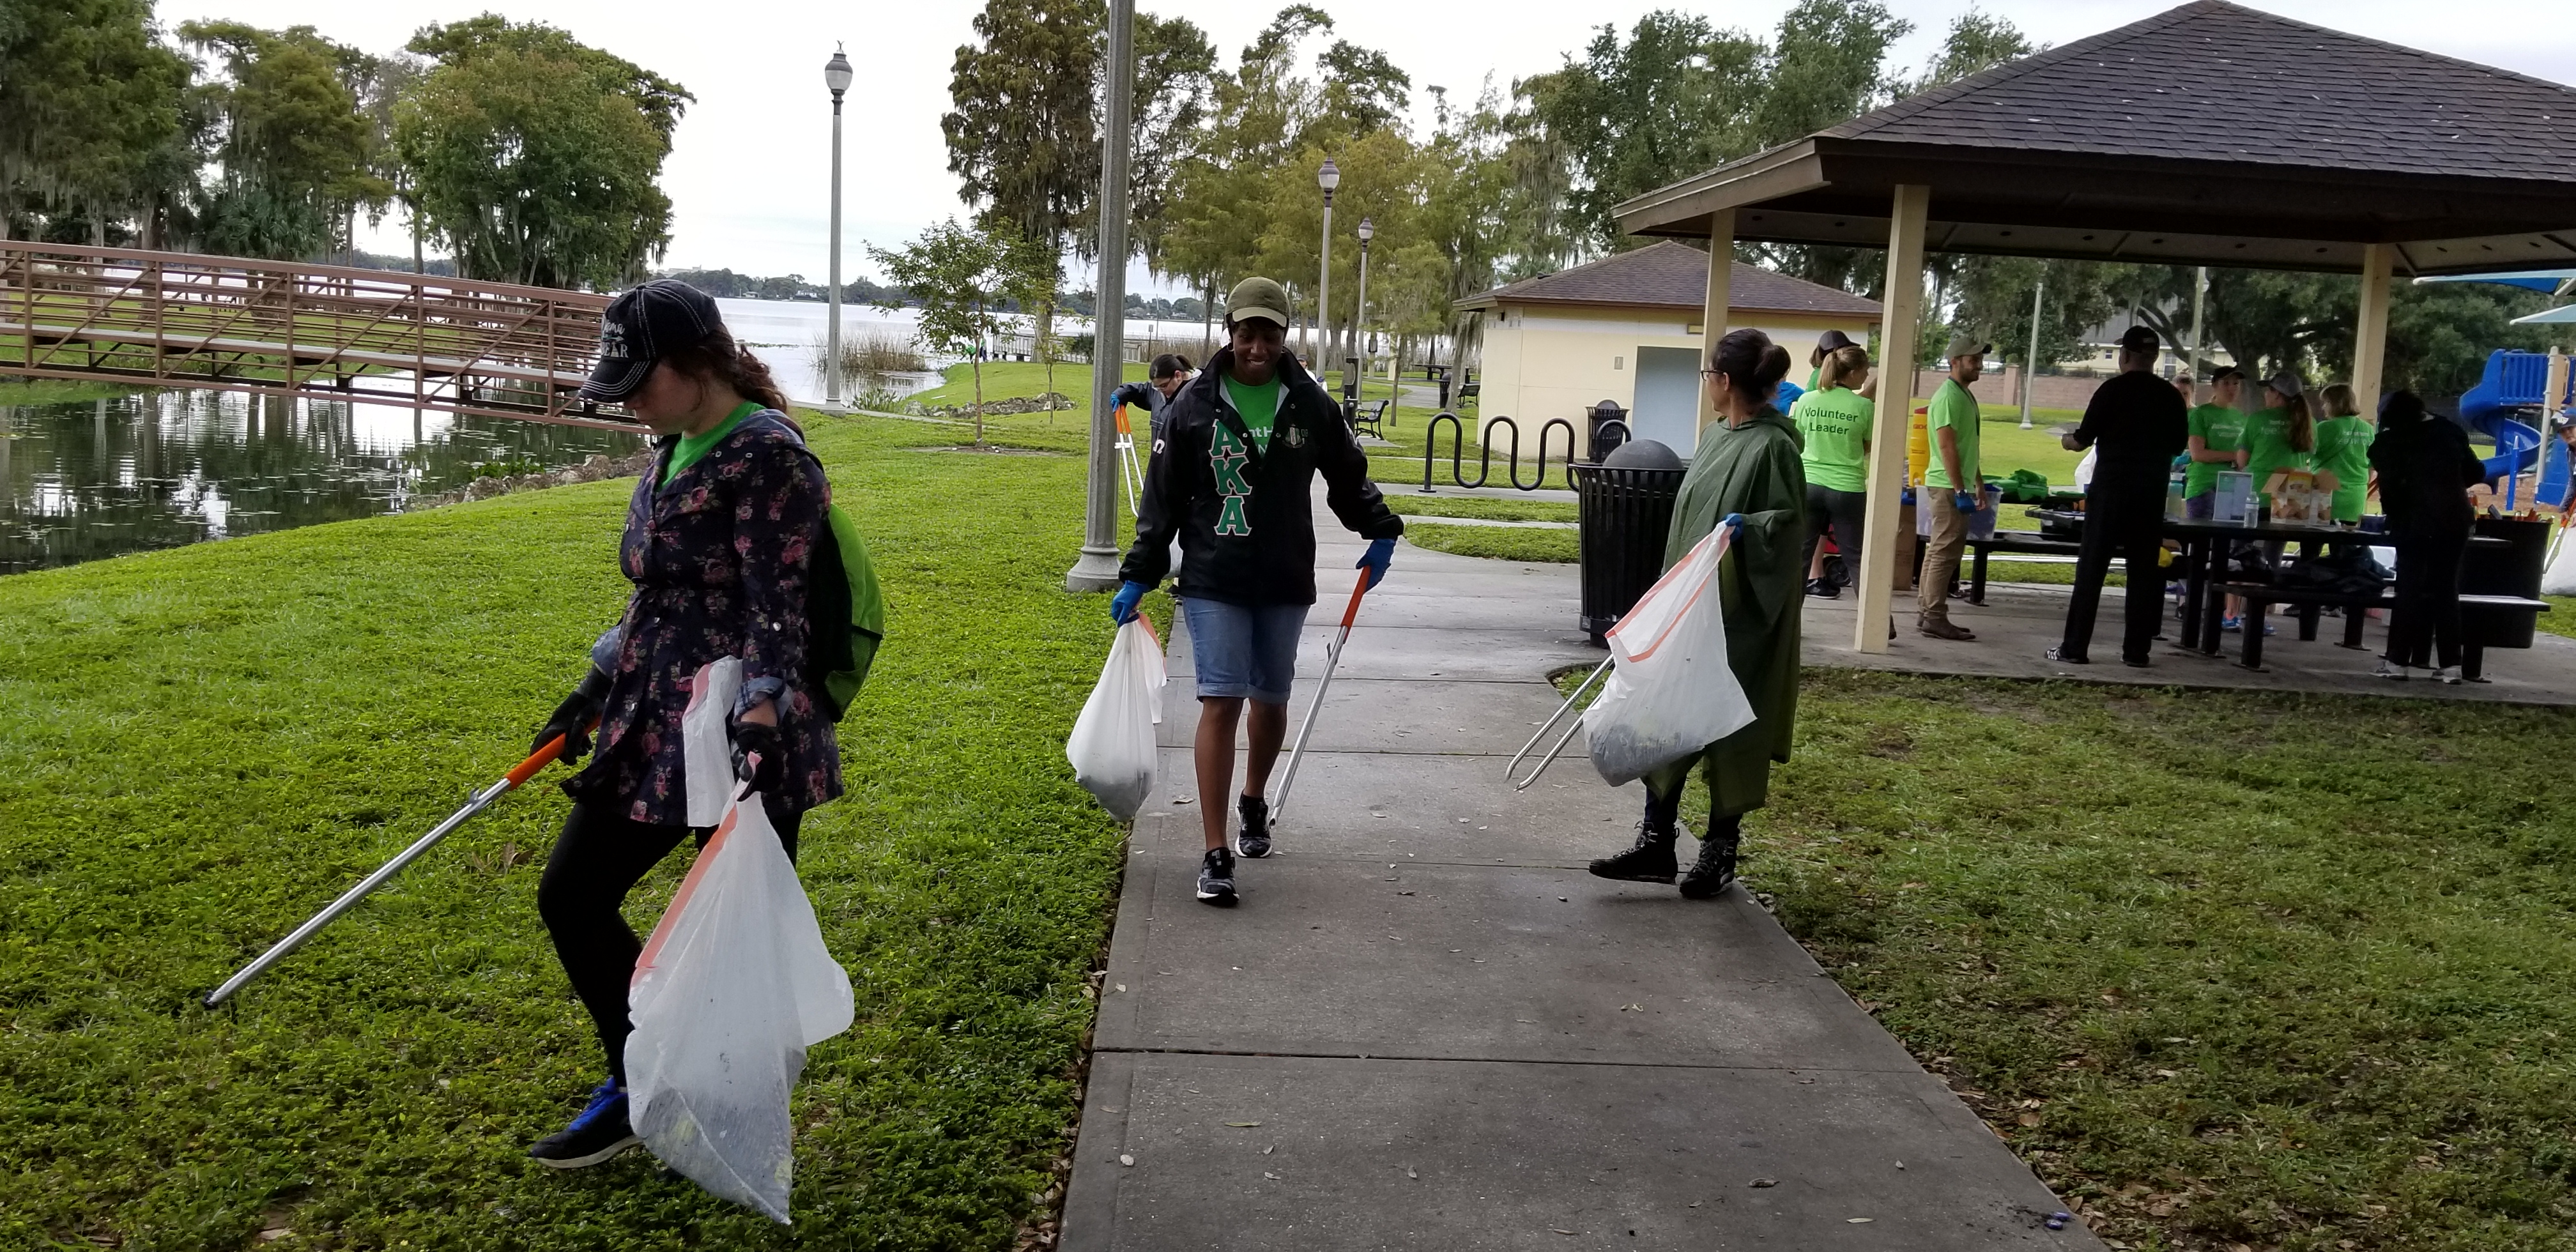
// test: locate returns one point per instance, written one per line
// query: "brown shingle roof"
(2188, 84)
(1671, 275)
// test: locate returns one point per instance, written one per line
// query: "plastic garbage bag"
(706, 743)
(1112, 746)
(731, 989)
(1671, 692)
(2560, 578)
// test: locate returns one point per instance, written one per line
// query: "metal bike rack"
(1485, 452)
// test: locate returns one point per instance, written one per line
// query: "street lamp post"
(1359, 317)
(836, 75)
(1097, 568)
(1327, 178)
(2030, 363)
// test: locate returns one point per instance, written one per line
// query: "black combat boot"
(1651, 858)
(1715, 867)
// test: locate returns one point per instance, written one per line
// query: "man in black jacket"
(1232, 475)
(2139, 424)
(2425, 471)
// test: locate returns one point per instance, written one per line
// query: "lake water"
(158, 469)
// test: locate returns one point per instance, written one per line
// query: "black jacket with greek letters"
(1261, 550)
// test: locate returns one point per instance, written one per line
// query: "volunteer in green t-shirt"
(1953, 486)
(2217, 443)
(2283, 436)
(2343, 450)
(1833, 423)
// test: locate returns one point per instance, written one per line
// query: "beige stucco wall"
(1557, 361)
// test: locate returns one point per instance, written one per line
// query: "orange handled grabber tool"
(348, 900)
(1332, 659)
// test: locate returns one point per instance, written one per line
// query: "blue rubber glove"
(1732, 521)
(1122, 607)
(1964, 501)
(1380, 553)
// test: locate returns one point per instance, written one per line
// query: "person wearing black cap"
(1233, 478)
(1165, 378)
(2137, 424)
(1827, 344)
(719, 543)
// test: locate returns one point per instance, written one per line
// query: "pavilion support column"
(2370, 330)
(1902, 308)
(1721, 278)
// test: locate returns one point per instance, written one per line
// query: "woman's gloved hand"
(757, 757)
(573, 718)
(1122, 607)
(1380, 554)
(1964, 501)
(1732, 521)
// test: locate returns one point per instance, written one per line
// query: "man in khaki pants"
(1953, 486)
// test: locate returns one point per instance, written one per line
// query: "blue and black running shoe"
(600, 1132)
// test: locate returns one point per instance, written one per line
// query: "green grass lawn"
(17, 391)
(2283, 972)
(206, 745)
(1504, 510)
(1502, 543)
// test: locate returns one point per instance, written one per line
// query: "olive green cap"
(1257, 297)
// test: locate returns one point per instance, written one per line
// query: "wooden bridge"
(282, 329)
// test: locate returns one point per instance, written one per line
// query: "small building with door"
(1626, 328)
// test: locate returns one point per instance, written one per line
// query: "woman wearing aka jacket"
(2425, 472)
(1232, 476)
(719, 542)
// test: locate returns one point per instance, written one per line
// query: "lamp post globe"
(1329, 177)
(837, 76)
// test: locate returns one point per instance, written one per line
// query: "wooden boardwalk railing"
(279, 328)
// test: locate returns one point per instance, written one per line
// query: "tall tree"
(1023, 135)
(1363, 91)
(1673, 99)
(1175, 79)
(91, 120)
(1826, 66)
(292, 149)
(536, 157)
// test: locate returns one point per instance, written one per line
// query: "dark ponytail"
(1753, 365)
(717, 357)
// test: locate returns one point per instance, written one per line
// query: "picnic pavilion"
(2209, 134)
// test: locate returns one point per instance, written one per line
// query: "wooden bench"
(2259, 597)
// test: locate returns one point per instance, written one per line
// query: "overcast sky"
(749, 173)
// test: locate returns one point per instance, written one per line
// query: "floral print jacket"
(719, 562)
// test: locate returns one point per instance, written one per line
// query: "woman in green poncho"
(1746, 474)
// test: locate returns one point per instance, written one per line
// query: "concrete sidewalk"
(1425, 1026)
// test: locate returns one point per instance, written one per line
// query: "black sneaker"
(1216, 878)
(599, 1133)
(1649, 860)
(1824, 589)
(1253, 840)
(2059, 654)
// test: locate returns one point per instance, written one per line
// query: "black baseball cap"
(2141, 339)
(643, 324)
(1832, 341)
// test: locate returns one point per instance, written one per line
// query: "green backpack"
(848, 614)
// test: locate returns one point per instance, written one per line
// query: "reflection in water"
(158, 469)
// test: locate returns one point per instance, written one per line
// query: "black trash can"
(1626, 507)
(2513, 571)
(1605, 438)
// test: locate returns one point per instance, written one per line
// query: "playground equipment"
(2520, 401)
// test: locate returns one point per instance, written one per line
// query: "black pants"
(1842, 511)
(2127, 523)
(2426, 620)
(597, 860)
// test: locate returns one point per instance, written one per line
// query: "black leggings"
(2424, 627)
(597, 860)
(1841, 510)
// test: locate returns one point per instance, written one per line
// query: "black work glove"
(752, 739)
(574, 717)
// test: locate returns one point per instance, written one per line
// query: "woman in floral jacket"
(719, 540)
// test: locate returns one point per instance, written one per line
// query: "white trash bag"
(1671, 692)
(1112, 746)
(731, 989)
(2560, 578)
(706, 743)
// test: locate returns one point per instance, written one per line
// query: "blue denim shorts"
(1240, 650)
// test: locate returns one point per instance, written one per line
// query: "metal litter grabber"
(1332, 659)
(480, 800)
(1568, 737)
